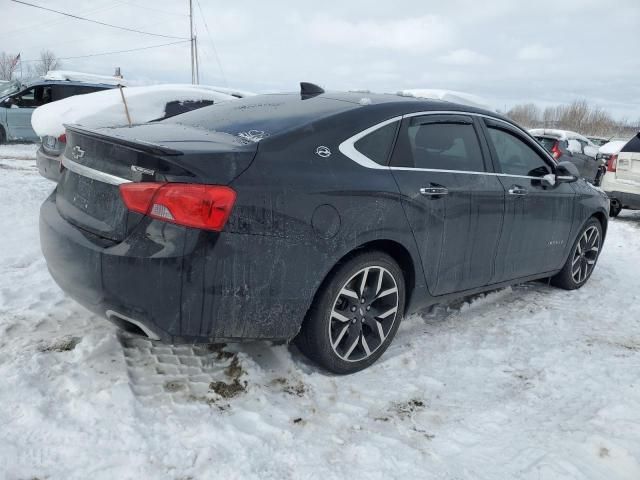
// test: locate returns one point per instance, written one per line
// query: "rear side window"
(633, 145)
(440, 146)
(378, 144)
(515, 156)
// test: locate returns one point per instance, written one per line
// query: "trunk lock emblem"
(77, 152)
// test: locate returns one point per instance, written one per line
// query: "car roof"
(72, 83)
(391, 103)
(556, 133)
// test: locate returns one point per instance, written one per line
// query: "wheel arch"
(604, 221)
(395, 250)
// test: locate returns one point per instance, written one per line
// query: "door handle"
(516, 190)
(434, 191)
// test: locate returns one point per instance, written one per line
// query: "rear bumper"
(48, 165)
(177, 284)
(627, 200)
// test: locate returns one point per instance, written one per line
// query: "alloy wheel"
(363, 313)
(585, 254)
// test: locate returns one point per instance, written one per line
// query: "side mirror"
(566, 172)
(6, 103)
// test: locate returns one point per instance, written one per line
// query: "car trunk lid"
(97, 162)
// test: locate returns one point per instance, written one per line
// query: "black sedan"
(317, 217)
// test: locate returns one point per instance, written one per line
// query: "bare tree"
(578, 116)
(47, 61)
(527, 114)
(8, 65)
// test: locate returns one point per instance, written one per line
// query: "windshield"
(9, 88)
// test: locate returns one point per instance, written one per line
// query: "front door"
(538, 218)
(453, 206)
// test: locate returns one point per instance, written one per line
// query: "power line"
(213, 45)
(95, 21)
(115, 51)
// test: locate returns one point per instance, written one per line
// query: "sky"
(506, 51)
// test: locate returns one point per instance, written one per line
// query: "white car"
(622, 178)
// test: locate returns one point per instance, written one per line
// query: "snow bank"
(448, 96)
(105, 109)
(612, 147)
(527, 383)
(67, 75)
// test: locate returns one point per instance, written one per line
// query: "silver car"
(18, 101)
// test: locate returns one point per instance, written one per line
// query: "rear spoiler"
(139, 145)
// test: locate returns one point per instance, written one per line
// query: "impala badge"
(77, 152)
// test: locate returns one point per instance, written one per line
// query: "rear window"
(261, 116)
(633, 145)
(547, 142)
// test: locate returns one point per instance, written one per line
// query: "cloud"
(535, 52)
(464, 57)
(410, 35)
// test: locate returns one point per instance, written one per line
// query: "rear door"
(538, 219)
(453, 206)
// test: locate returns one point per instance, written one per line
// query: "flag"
(15, 61)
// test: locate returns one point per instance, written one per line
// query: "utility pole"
(194, 54)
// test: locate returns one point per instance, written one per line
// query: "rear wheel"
(3, 136)
(615, 208)
(582, 259)
(356, 314)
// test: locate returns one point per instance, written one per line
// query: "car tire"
(355, 315)
(3, 136)
(614, 209)
(582, 259)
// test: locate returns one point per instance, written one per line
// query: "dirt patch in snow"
(296, 388)
(62, 344)
(234, 387)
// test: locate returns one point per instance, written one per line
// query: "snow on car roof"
(561, 134)
(612, 147)
(105, 108)
(62, 75)
(448, 96)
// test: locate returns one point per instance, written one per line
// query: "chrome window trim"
(92, 172)
(347, 147)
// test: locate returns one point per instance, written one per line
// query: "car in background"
(610, 148)
(572, 147)
(106, 109)
(18, 102)
(621, 181)
(320, 217)
(599, 141)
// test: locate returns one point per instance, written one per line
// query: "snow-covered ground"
(528, 382)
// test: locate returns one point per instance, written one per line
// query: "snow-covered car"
(599, 141)
(621, 181)
(569, 146)
(108, 109)
(18, 102)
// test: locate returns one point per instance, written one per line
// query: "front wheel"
(582, 259)
(355, 314)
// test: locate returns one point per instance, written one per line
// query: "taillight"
(612, 163)
(62, 138)
(199, 206)
(555, 151)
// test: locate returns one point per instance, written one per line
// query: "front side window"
(439, 145)
(377, 145)
(515, 156)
